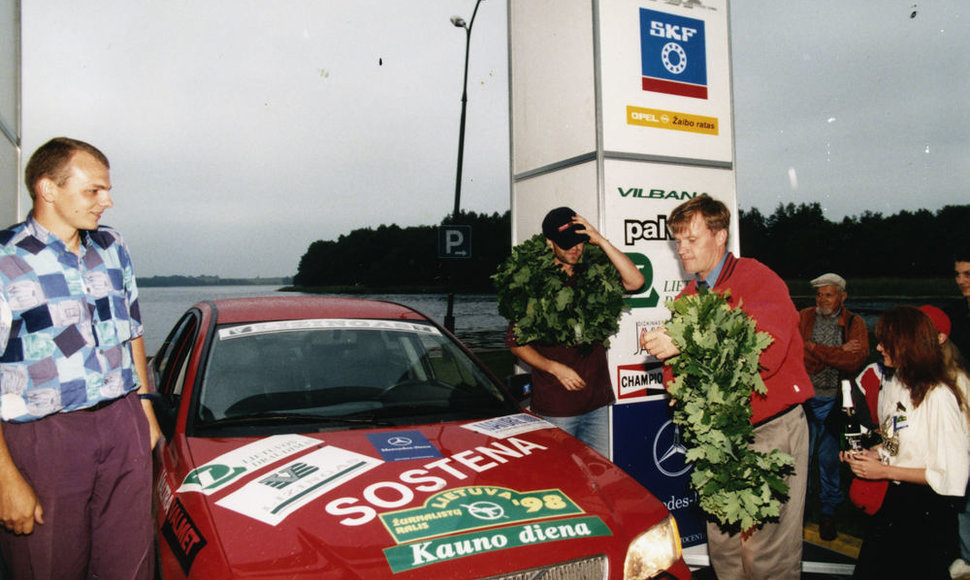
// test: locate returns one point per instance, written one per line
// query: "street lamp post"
(459, 22)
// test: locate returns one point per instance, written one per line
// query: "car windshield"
(329, 373)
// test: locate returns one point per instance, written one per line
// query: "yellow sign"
(671, 120)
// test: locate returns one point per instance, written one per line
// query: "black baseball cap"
(559, 227)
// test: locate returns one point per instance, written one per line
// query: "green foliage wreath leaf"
(716, 374)
(533, 294)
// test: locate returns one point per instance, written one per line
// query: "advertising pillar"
(622, 110)
(9, 112)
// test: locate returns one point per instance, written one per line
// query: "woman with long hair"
(925, 454)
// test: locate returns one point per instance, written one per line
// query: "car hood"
(457, 499)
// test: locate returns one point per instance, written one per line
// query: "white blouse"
(933, 435)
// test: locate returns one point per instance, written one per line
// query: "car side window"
(172, 358)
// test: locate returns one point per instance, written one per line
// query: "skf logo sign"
(673, 54)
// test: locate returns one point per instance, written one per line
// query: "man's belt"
(777, 415)
(102, 404)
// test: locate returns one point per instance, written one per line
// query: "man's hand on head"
(595, 237)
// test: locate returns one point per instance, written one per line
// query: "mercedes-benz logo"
(484, 510)
(399, 441)
(669, 454)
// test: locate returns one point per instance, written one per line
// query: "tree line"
(208, 280)
(392, 258)
(797, 241)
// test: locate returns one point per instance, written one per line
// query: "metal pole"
(449, 315)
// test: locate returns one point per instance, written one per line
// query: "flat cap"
(829, 279)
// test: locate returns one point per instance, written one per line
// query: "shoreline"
(877, 289)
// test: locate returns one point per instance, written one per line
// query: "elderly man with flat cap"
(836, 348)
(571, 386)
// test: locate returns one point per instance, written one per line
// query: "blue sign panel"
(673, 54)
(654, 456)
(403, 445)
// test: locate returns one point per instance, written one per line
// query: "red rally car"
(311, 437)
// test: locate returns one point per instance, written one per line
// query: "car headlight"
(653, 551)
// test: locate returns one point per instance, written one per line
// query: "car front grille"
(591, 568)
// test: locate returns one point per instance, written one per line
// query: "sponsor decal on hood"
(403, 445)
(509, 425)
(229, 467)
(417, 554)
(281, 492)
(469, 508)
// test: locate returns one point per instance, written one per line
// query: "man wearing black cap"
(571, 386)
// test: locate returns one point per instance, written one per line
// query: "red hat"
(940, 320)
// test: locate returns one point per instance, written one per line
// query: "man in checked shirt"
(76, 436)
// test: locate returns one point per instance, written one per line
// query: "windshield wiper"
(277, 418)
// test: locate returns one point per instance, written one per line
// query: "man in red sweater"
(700, 229)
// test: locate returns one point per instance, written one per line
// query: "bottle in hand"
(852, 429)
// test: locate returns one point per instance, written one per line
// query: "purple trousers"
(92, 473)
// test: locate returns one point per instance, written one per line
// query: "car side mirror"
(520, 386)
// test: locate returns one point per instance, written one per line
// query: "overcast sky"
(240, 131)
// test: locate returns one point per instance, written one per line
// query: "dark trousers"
(913, 535)
(824, 442)
(92, 473)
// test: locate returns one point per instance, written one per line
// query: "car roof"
(268, 308)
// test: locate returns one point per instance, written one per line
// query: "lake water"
(477, 322)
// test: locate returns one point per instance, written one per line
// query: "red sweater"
(764, 296)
